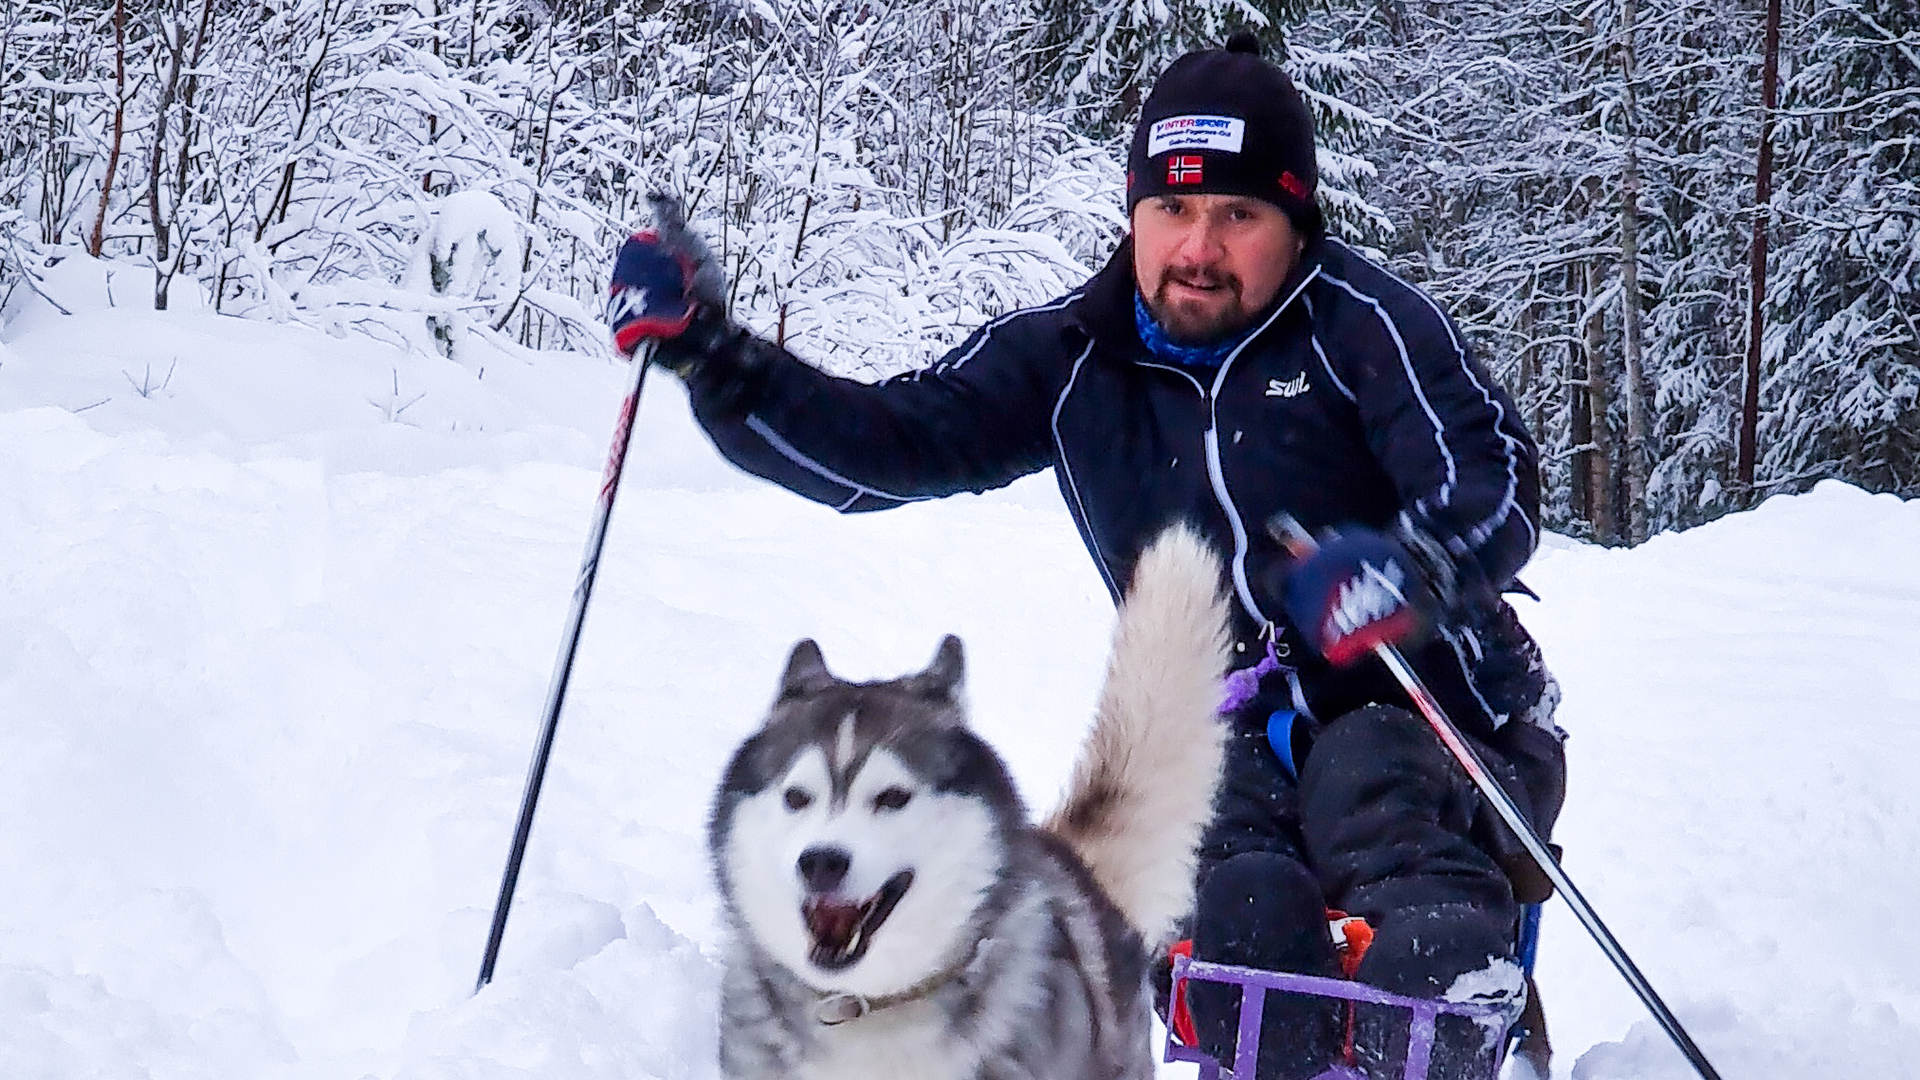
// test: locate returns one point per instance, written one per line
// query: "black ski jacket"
(1354, 401)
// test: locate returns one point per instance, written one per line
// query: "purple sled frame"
(1254, 984)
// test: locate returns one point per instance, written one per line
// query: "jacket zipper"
(1218, 479)
(1210, 441)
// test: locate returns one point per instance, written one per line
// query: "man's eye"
(797, 799)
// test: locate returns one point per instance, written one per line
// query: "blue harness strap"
(1280, 736)
(1529, 936)
(1528, 1035)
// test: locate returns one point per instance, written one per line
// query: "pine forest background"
(1592, 187)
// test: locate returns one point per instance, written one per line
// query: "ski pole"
(1299, 541)
(563, 667)
(1470, 760)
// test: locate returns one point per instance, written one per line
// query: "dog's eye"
(798, 799)
(892, 798)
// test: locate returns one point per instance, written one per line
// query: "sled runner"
(1423, 1013)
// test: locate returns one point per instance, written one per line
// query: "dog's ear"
(941, 681)
(806, 671)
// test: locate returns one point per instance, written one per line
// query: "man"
(1230, 365)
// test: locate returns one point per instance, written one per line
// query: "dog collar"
(836, 1009)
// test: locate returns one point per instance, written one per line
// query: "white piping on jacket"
(1480, 532)
(1218, 477)
(1211, 441)
(1066, 473)
(986, 332)
(1325, 364)
(1499, 719)
(1419, 392)
(791, 453)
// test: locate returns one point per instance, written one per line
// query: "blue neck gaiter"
(1154, 337)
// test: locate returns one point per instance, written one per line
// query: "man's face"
(1206, 264)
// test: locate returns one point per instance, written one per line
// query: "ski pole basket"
(1254, 984)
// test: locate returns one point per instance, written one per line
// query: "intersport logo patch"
(1223, 134)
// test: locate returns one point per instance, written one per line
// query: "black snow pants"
(1380, 823)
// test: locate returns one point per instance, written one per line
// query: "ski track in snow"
(271, 666)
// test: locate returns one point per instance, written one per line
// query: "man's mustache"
(1199, 278)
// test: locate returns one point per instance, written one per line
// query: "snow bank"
(1743, 702)
(272, 654)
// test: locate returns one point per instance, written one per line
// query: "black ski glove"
(1360, 587)
(665, 283)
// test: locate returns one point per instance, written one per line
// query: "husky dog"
(893, 913)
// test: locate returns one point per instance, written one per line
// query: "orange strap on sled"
(1351, 937)
(1179, 1017)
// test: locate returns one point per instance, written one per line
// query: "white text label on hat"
(1222, 133)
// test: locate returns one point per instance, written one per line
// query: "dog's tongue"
(833, 922)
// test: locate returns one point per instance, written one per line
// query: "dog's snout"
(824, 868)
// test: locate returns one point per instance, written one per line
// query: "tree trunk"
(282, 201)
(51, 167)
(1600, 456)
(1757, 290)
(1527, 397)
(1636, 453)
(1579, 411)
(98, 238)
(181, 165)
(175, 38)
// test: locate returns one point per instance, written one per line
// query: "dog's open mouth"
(841, 929)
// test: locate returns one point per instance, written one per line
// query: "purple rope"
(1242, 685)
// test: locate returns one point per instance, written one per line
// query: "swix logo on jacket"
(1293, 387)
(1392, 415)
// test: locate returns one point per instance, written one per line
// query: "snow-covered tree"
(1573, 180)
(1841, 395)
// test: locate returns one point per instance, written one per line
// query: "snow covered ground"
(278, 610)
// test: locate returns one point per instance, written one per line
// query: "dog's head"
(859, 835)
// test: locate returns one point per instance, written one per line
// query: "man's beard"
(1193, 321)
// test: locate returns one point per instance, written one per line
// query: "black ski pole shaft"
(1464, 753)
(1299, 540)
(563, 667)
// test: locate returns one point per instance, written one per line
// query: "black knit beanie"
(1226, 122)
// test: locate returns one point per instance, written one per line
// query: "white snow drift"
(277, 613)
